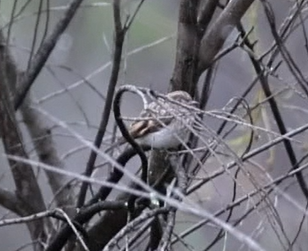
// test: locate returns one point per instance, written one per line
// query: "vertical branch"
(47, 153)
(27, 189)
(274, 106)
(197, 47)
(119, 39)
(184, 75)
(40, 134)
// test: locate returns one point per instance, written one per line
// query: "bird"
(164, 124)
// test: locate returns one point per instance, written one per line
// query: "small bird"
(164, 125)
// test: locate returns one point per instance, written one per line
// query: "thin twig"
(43, 53)
(119, 40)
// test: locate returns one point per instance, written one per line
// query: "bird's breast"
(165, 138)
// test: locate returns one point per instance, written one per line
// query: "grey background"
(83, 50)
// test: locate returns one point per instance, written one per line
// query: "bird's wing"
(143, 127)
(162, 116)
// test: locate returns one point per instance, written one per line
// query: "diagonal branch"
(40, 134)
(27, 188)
(217, 34)
(119, 39)
(47, 153)
(206, 12)
(10, 201)
(277, 114)
(23, 174)
(43, 53)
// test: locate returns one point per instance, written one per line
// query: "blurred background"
(84, 53)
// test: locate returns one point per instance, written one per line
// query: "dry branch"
(27, 189)
(219, 31)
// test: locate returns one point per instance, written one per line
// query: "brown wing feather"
(141, 128)
(161, 117)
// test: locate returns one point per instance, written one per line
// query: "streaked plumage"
(164, 124)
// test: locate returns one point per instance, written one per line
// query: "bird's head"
(182, 97)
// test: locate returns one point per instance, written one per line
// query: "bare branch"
(43, 53)
(184, 75)
(133, 224)
(10, 201)
(23, 175)
(275, 109)
(40, 134)
(206, 12)
(47, 153)
(27, 189)
(290, 62)
(119, 39)
(218, 32)
(26, 219)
